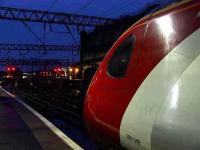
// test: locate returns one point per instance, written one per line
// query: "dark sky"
(16, 32)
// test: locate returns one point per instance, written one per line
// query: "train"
(145, 93)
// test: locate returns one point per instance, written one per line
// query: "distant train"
(145, 94)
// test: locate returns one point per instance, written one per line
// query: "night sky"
(16, 32)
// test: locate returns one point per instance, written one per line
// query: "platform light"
(70, 69)
(76, 70)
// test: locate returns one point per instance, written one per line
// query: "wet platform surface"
(20, 129)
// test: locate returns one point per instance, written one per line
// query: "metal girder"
(34, 61)
(19, 14)
(39, 47)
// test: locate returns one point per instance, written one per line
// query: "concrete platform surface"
(22, 128)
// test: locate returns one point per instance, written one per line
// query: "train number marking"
(133, 139)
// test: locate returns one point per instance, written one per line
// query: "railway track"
(61, 103)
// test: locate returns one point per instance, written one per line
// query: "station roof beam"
(26, 15)
(33, 61)
(39, 47)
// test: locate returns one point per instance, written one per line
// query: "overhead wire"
(84, 6)
(114, 9)
(50, 7)
(71, 30)
(36, 36)
(30, 30)
(87, 4)
(68, 28)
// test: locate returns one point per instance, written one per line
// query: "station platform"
(22, 128)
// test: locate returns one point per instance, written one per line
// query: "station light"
(70, 69)
(76, 70)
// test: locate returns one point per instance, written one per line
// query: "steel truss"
(39, 47)
(19, 14)
(34, 61)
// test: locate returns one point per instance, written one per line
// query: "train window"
(118, 63)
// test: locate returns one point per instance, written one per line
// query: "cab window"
(118, 63)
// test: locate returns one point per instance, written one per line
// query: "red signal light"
(13, 69)
(8, 68)
(59, 69)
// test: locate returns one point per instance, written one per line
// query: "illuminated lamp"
(8, 68)
(13, 69)
(76, 70)
(70, 69)
(59, 69)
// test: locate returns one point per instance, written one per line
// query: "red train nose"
(89, 111)
(91, 116)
